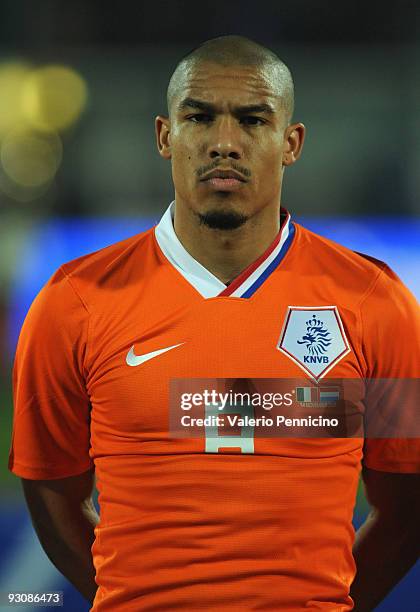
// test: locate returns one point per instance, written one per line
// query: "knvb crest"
(316, 343)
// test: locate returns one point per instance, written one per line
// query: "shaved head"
(235, 51)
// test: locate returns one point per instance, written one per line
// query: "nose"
(225, 140)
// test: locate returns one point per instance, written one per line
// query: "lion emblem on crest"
(317, 338)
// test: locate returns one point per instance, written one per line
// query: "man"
(214, 292)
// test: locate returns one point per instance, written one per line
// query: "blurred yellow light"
(54, 97)
(31, 158)
(18, 193)
(13, 76)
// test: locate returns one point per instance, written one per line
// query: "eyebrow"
(208, 107)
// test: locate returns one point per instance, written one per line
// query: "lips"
(224, 184)
(224, 175)
(223, 180)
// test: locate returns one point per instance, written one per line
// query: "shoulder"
(354, 271)
(77, 286)
(337, 254)
(95, 263)
(110, 267)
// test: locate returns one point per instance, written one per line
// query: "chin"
(225, 218)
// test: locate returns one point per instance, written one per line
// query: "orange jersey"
(187, 525)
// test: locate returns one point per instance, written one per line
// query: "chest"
(138, 353)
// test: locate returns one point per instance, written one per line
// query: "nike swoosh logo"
(135, 360)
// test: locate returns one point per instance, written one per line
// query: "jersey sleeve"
(391, 345)
(51, 421)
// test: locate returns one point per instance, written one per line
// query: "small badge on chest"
(314, 338)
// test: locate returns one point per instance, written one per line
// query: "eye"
(250, 120)
(200, 118)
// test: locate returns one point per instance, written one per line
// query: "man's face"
(226, 138)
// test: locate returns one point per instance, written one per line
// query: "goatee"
(222, 220)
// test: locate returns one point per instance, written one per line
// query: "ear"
(163, 136)
(294, 137)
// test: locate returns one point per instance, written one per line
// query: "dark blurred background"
(80, 85)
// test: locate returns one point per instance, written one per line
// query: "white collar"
(202, 279)
(197, 275)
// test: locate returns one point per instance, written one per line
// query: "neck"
(227, 253)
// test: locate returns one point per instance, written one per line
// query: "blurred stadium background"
(80, 85)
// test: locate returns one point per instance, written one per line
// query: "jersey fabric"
(181, 528)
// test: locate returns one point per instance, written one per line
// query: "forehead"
(218, 83)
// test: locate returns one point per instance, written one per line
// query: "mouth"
(223, 180)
